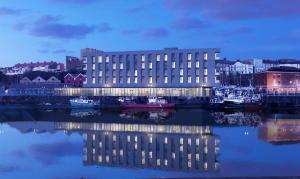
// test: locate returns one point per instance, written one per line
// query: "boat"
(153, 103)
(83, 102)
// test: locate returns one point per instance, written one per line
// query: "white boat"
(83, 102)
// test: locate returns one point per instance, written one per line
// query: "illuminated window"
(128, 80)
(173, 65)
(197, 64)
(121, 66)
(150, 65)
(135, 80)
(158, 162)
(114, 80)
(189, 79)
(94, 80)
(158, 57)
(189, 56)
(205, 79)
(100, 59)
(150, 80)
(205, 56)
(197, 79)
(205, 71)
(107, 59)
(143, 58)
(99, 158)
(217, 56)
(166, 140)
(114, 66)
(181, 79)
(181, 71)
(189, 64)
(166, 57)
(166, 79)
(135, 72)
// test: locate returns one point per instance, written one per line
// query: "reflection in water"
(156, 116)
(280, 131)
(237, 118)
(84, 112)
(169, 147)
(184, 142)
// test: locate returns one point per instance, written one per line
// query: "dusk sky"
(38, 30)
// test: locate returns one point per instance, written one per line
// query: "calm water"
(184, 143)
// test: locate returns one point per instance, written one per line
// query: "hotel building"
(167, 72)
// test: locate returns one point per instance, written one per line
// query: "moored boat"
(83, 102)
(152, 103)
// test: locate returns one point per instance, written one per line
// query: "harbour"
(189, 143)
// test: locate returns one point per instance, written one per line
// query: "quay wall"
(275, 101)
(105, 101)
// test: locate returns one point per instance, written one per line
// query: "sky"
(40, 30)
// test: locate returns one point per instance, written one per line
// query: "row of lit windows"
(158, 57)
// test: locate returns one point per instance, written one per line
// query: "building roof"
(284, 69)
(288, 61)
(229, 62)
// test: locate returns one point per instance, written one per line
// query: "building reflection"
(155, 116)
(167, 147)
(280, 131)
(237, 118)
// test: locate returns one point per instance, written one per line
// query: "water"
(184, 143)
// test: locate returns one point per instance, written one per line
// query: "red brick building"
(76, 80)
(279, 80)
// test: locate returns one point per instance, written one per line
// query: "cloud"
(237, 9)
(189, 24)
(135, 10)
(104, 27)
(155, 32)
(51, 153)
(131, 32)
(43, 51)
(9, 12)
(20, 26)
(79, 2)
(50, 26)
(9, 168)
(151, 32)
(18, 153)
(62, 51)
(236, 31)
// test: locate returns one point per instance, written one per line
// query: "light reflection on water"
(137, 144)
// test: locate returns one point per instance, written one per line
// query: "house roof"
(74, 75)
(284, 69)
